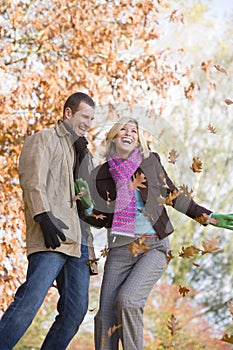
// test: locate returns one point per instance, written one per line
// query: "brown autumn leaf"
(220, 68)
(195, 264)
(172, 325)
(163, 177)
(144, 213)
(104, 341)
(169, 256)
(173, 155)
(113, 329)
(98, 216)
(228, 101)
(136, 247)
(161, 200)
(92, 261)
(189, 252)
(185, 190)
(227, 338)
(104, 252)
(190, 90)
(183, 290)
(77, 197)
(196, 165)
(169, 199)
(81, 194)
(210, 246)
(138, 181)
(206, 219)
(202, 219)
(205, 66)
(212, 129)
(172, 195)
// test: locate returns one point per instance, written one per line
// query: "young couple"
(124, 191)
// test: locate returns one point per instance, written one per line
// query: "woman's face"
(126, 140)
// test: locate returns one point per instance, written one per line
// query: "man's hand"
(52, 229)
(82, 192)
(222, 220)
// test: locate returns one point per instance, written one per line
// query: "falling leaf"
(91, 261)
(196, 165)
(195, 264)
(169, 199)
(169, 256)
(227, 338)
(173, 155)
(144, 213)
(98, 216)
(161, 200)
(188, 252)
(104, 341)
(113, 329)
(172, 195)
(210, 246)
(184, 189)
(104, 252)
(183, 290)
(220, 68)
(172, 325)
(205, 219)
(205, 66)
(190, 91)
(138, 181)
(202, 220)
(212, 129)
(163, 177)
(77, 197)
(138, 246)
(228, 101)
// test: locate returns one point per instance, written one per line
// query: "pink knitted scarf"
(125, 208)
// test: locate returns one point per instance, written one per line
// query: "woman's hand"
(221, 220)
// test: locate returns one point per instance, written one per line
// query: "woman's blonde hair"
(111, 135)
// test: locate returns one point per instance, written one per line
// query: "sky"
(221, 8)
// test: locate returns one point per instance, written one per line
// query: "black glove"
(51, 229)
(80, 144)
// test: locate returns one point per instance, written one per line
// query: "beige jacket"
(46, 178)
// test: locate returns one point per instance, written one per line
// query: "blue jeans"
(72, 276)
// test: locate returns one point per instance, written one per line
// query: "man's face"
(80, 122)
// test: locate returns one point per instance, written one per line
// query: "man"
(59, 243)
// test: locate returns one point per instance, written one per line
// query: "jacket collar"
(62, 131)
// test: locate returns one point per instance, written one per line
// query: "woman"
(125, 192)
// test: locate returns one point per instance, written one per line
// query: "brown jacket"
(46, 177)
(103, 190)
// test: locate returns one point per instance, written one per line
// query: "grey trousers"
(127, 283)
